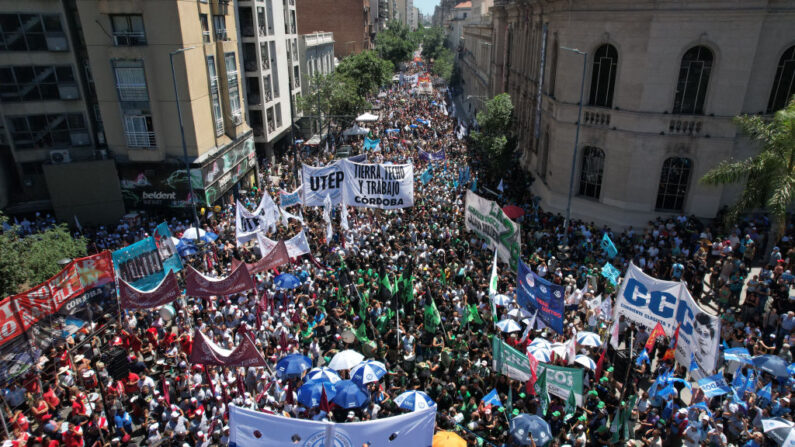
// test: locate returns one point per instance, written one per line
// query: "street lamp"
(576, 135)
(182, 134)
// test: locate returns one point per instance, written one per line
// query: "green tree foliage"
(443, 65)
(30, 260)
(493, 139)
(769, 176)
(332, 95)
(432, 42)
(396, 43)
(367, 70)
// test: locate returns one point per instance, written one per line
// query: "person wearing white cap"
(153, 435)
(696, 433)
(177, 423)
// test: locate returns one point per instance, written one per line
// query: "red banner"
(199, 285)
(64, 286)
(34, 304)
(164, 293)
(96, 270)
(10, 326)
(275, 258)
(205, 352)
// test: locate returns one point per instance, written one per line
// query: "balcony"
(253, 94)
(246, 17)
(219, 7)
(131, 38)
(140, 139)
(690, 127)
(132, 92)
(319, 38)
(595, 118)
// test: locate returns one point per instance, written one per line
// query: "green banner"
(511, 362)
(561, 380)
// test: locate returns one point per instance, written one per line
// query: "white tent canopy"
(367, 117)
(355, 130)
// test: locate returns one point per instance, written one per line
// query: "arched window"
(603, 79)
(691, 89)
(593, 165)
(784, 82)
(674, 177)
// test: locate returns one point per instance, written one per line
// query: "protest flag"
(657, 332)
(541, 391)
(533, 378)
(361, 334)
(608, 246)
(600, 365)
(693, 364)
(571, 403)
(432, 317)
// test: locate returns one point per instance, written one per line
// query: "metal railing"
(140, 139)
(132, 92)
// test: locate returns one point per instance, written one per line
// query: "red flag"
(669, 354)
(533, 367)
(657, 332)
(289, 393)
(209, 380)
(324, 405)
(675, 338)
(165, 391)
(283, 341)
(241, 387)
(599, 365)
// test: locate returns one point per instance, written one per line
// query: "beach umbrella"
(310, 393)
(286, 281)
(368, 371)
(523, 425)
(541, 353)
(448, 439)
(193, 233)
(773, 364)
(538, 341)
(414, 400)
(346, 359)
(350, 395)
(323, 374)
(586, 338)
(293, 365)
(509, 325)
(585, 361)
(777, 429)
(519, 313)
(558, 348)
(513, 211)
(501, 300)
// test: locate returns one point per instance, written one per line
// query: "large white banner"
(486, 218)
(322, 181)
(248, 224)
(384, 186)
(296, 246)
(249, 428)
(646, 300)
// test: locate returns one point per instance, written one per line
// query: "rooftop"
(463, 5)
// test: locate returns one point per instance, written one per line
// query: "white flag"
(614, 335)
(344, 217)
(529, 327)
(607, 307)
(494, 279)
(571, 348)
(327, 218)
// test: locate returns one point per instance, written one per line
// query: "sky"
(426, 6)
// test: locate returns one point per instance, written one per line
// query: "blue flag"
(475, 185)
(738, 355)
(766, 392)
(714, 385)
(492, 398)
(693, 363)
(739, 379)
(608, 246)
(642, 358)
(703, 406)
(666, 391)
(750, 383)
(426, 176)
(611, 273)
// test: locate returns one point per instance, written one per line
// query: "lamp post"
(182, 135)
(576, 136)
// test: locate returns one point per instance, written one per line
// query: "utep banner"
(432, 156)
(164, 293)
(199, 285)
(646, 300)
(205, 352)
(276, 257)
(560, 380)
(320, 182)
(296, 246)
(290, 199)
(248, 223)
(384, 186)
(251, 428)
(486, 218)
(536, 293)
(145, 263)
(509, 361)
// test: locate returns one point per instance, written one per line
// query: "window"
(215, 97)
(205, 28)
(134, 102)
(603, 79)
(296, 76)
(278, 115)
(46, 131)
(32, 32)
(130, 80)
(783, 83)
(674, 178)
(128, 30)
(37, 83)
(593, 164)
(691, 89)
(219, 23)
(139, 131)
(231, 80)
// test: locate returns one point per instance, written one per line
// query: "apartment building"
(349, 20)
(317, 58)
(50, 127)
(138, 50)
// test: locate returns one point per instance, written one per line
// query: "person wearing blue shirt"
(676, 271)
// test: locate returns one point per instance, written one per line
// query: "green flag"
(628, 425)
(474, 316)
(361, 334)
(571, 403)
(383, 321)
(443, 277)
(432, 317)
(408, 283)
(541, 391)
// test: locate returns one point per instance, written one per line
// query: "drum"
(368, 349)
(348, 336)
(167, 312)
(90, 378)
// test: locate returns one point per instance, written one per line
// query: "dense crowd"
(430, 257)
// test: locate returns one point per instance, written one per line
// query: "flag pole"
(629, 367)
(441, 323)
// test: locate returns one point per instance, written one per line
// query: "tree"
(30, 260)
(332, 96)
(367, 70)
(395, 43)
(769, 175)
(432, 42)
(493, 139)
(443, 65)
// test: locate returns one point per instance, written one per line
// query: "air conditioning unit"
(237, 119)
(60, 157)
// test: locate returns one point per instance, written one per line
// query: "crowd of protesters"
(72, 400)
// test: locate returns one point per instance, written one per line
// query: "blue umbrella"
(524, 425)
(414, 400)
(791, 368)
(368, 371)
(350, 395)
(323, 374)
(293, 365)
(310, 393)
(586, 338)
(287, 281)
(773, 364)
(185, 247)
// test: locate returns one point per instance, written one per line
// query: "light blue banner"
(145, 263)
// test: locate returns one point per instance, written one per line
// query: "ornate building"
(662, 81)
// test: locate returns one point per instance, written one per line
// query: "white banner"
(646, 300)
(248, 224)
(296, 246)
(322, 181)
(486, 218)
(251, 428)
(384, 186)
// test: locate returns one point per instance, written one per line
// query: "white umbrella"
(585, 361)
(367, 117)
(346, 359)
(586, 338)
(538, 341)
(190, 233)
(501, 300)
(368, 371)
(519, 313)
(509, 325)
(558, 348)
(414, 400)
(541, 353)
(324, 373)
(174, 241)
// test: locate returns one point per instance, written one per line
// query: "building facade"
(317, 58)
(455, 29)
(662, 83)
(474, 58)
(131, 49)
(271, 63)
(349, 20)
